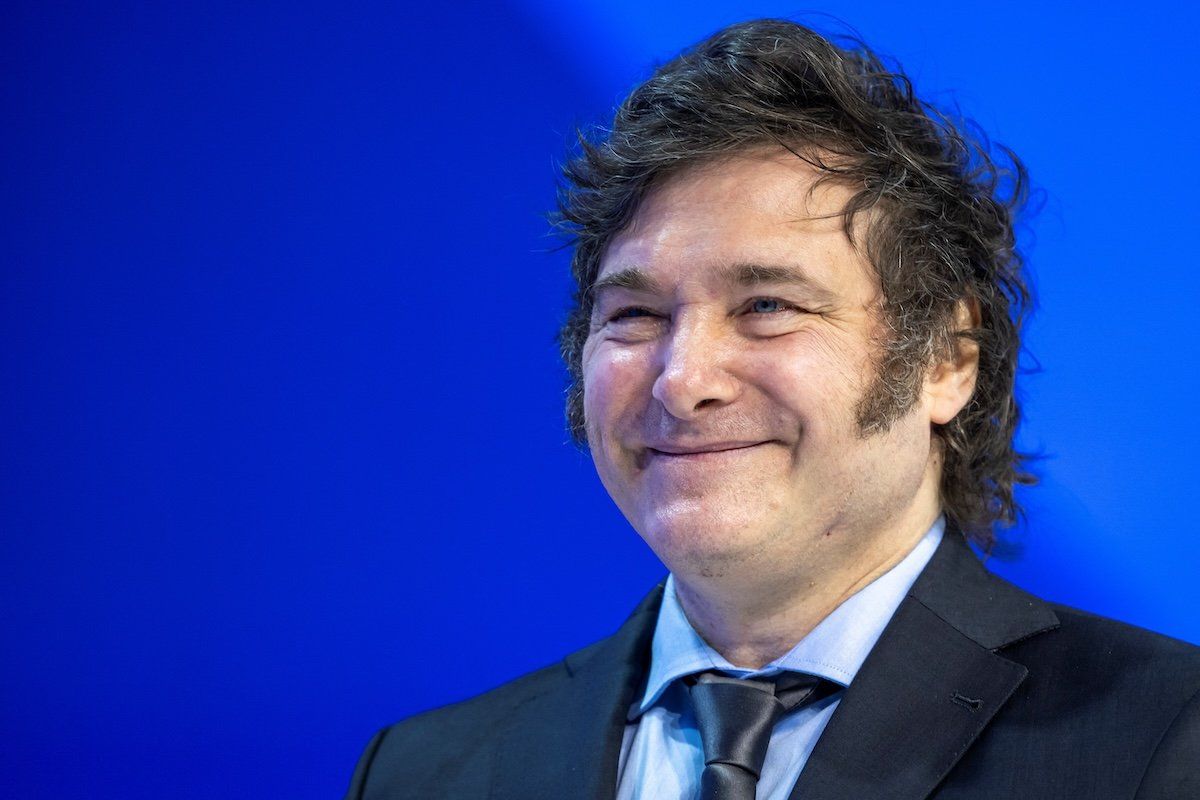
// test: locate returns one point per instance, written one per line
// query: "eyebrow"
(749, 274)
(631, 278)
(744, 274)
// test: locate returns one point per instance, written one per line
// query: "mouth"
(707, 452)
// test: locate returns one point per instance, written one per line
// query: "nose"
(694, 378)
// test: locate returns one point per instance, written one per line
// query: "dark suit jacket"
(975, 689)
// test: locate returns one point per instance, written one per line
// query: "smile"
(709, 452)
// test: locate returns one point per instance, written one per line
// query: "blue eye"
(765, 305)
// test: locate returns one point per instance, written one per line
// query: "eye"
(770, 306)
(633, 312)
(766, 305)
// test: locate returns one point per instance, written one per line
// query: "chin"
(688, 536)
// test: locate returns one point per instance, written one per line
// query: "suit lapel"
(565, 744)
(930, 686)
(928, 689)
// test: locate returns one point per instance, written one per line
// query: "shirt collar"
(834, 650)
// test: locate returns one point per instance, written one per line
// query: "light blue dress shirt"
(661, 754)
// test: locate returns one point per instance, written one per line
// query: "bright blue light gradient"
(283, 453)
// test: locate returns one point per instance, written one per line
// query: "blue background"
(282, 447)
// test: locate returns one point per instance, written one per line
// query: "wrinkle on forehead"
(706, 215)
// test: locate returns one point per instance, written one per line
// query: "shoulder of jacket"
(1107, 654)
(482, 709)
(1102, 630)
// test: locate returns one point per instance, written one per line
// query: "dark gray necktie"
(736, 717)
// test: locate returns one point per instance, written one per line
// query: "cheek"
(616, 387)
(816, 377)
(842, 360)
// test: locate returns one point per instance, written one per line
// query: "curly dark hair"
(940, 235)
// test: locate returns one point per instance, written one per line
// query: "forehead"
(765, 207)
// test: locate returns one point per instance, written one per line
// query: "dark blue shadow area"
(282, 426)
(283, 453)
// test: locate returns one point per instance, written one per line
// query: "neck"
(755, 620)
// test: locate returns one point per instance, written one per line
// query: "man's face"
(733, 336)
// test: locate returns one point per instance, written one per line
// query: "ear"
(950, 383)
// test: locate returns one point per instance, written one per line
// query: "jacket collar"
(566, 744)
(931, 685)
(928, 688)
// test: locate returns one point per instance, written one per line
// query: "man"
(793, 355)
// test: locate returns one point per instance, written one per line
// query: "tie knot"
(736, 716)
